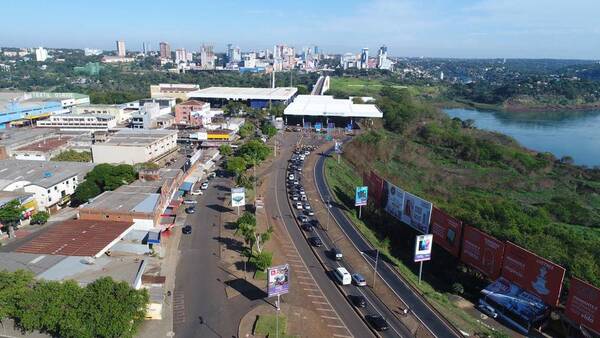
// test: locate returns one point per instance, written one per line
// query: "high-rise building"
(207, 57)
(382, 60)
(364, 58)
(234, 54)
(144, 48)
(181, 56)
(41, 54)
(121, 48)
(165, 50)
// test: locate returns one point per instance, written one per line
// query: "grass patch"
(260, 275)
(266, 325)
(342, 180)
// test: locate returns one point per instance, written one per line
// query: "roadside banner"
(360, 196)
(533, 273)
(446, 231)
(416, 212)
(318, 126)
(349, 127)
(482, 252)
(238, 197)
(338, 147)
(393, 200)
(423, 246)
(375, 184)
(279, 280)
(520, 303)
(583, 304)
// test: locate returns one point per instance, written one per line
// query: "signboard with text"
(416, 212)
(393, 200)
(238, 197)
(446, 231)
(519, 303)
(423, 246)
(583, 304)
(278, 282)
(533, 273)
(482, 252)
(360, 196)
(318, 126)
(375, 184)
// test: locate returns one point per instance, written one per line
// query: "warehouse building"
(172, 90)
(328, 112)
(253, 97)
(79, 122)
(131, 146)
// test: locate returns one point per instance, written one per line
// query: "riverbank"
(518, 108)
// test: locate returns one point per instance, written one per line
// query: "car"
(309, 212)
(190, 202)
(295, 197)
(358, 301)
(342, 275)
(190, 210)
(377, 322)
(358, 279)
(211, 175)
(296, 182)
(307, 227)
(196, 192)
(204, 185)
(298, 205)
(488, 310)
(291, 177)
(306, 206)
(336, 254)
(303, 218)
(187, 229)
(303, 198)
(306, 153)
(299, 168)
(302, 192)
(315, 241)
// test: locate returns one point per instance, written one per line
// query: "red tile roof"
(76, 238)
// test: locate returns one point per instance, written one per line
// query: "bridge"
(321, 86)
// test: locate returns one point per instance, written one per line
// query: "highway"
(318, 88)
(279, 199)
(426, 315)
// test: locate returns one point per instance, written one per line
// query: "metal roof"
(41, 173)
(325, 105)
(243, 93)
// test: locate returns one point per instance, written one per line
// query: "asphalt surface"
(427, 316)
(339, 303)
(200, 281)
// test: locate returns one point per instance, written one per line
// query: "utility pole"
(375, 269)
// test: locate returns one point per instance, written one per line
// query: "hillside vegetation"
(488, 180)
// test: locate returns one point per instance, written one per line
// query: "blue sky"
(437, 28)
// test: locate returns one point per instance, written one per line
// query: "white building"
(79, 122)
(207, 57)
(121, 48)
(91, 51)
(117, 110)
(172, 90)
(51, 183)
(131, 146)
(41, 54)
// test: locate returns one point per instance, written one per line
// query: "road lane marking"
(317, 302)
(330, 317)
(305, 283)
(324, 309)
(316, 296)
(341, 335)
(338, 326)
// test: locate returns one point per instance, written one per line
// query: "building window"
(48, 191)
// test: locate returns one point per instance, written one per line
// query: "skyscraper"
(382, 60)
(41, 54)
(207, 57)
(144, 48)
(181, 56)
(121, 48)
(165, 50)
(364, 58)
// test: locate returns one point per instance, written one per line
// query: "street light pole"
(375, 269)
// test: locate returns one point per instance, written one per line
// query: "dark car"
(315, 241)
(190, 210)
(377, 322)
(303, 218)
(307, 227)
(187, 229)
(358, 301)
(315, 223)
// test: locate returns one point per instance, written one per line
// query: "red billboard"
(583, 304)
(446, 231)
(375, 184)
(482, 252)
(533, 273)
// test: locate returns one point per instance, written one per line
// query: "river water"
(576, 134)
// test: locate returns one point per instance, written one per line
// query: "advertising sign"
(349, 127)
(338, 147)
(318, 126)
(393, 200)
(416, 212)
(583, 304)
(482, 252)
(307, 125)
(279, 280)
(533, 273)
(238, 197)
(375, 184)
(512, 298)
(446, 231)
(360, 196)
(423, 246)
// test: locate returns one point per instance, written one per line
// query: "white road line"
(329, 317)
(316, 296)
(323, 309)
(317, 302)
(338, 326)
(312, 290)
(341, 335)
(305, 283)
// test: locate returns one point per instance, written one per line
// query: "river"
(575, 134)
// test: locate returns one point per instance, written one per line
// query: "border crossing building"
(256, 98)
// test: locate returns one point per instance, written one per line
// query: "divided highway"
(428, 317)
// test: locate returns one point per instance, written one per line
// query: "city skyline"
(462, 29)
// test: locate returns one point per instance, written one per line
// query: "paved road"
(342, 307)
(200, 280)
(426, 315)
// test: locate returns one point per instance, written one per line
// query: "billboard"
(360, 196)
(375, 184)
(446, 231)
(583, 304)
(423, 246)
(482, 252)
(393, 200)
(318, 126)
(338, 147)
(533, 273)
(416, 212)
(238, 197)
(505, 296)
(278, 282)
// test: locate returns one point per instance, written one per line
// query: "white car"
(204, 186)
(359, 280)
(298, 205)
(306, 206)
(291, 177)
(196, 192)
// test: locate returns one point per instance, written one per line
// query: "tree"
(236, 165)
(11, 212)
(254, 151)
(40, 217)
(84, 192)
(268, 129)
(262, 260)
(247, 129)
(225, 149)
(73, 156)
